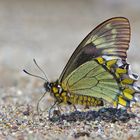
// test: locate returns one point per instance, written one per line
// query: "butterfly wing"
(109, 80)
(110, 38)
(98, 66)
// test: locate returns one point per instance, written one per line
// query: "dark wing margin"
(110, 38)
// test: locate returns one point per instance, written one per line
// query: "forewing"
(111, 38)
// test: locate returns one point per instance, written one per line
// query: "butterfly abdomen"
(85, 100)
(67, 98)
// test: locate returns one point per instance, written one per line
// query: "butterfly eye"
(47, 86)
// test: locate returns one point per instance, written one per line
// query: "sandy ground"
(49, 31)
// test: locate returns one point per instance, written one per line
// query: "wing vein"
(81, 77)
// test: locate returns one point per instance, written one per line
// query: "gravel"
(20, 120)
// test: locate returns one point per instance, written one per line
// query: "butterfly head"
(48, 86)
(54, 87)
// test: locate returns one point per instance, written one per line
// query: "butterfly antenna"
(40, 69)
(34, 75)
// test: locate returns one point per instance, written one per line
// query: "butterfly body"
(98, 70)
(116, 84)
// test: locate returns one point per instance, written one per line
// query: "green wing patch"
(91, 79)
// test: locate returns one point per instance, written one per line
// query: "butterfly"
(98, 70)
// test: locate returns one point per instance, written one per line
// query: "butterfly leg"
(74, 107)
(69, 103)
(52, 108)
(56, 112)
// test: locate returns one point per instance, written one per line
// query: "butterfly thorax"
(64, 96)
(56, 91)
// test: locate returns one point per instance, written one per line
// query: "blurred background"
(50, 30)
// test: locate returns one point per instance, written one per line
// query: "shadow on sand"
(105, 114)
